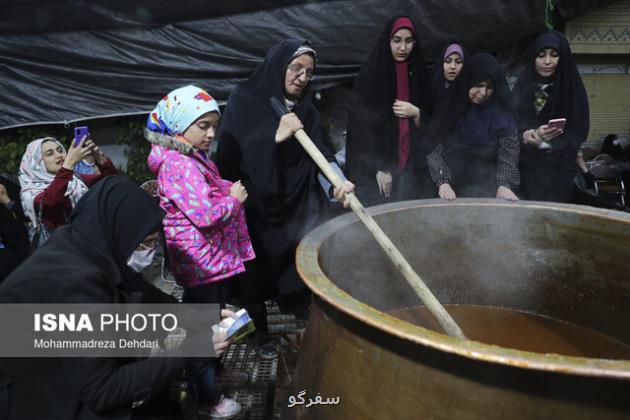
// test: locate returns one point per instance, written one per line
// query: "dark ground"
(265, 393)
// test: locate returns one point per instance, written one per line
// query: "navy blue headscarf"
(477, 124)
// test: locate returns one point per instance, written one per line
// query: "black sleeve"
(108, 385)
(566, 145)
(507, 174)
(228, 156)
(438, 169)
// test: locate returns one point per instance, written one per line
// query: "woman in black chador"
(476, 152)
(448, 66)
(550, 88)
(95, 258)
(386, 110)
(257, 147)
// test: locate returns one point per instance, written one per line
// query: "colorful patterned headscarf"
(34, 178)
(175, 113)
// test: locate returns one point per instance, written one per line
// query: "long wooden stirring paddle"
(416, 283)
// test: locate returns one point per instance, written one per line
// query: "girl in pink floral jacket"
(205, 228)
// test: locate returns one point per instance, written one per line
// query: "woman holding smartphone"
(550, 88)
(50, 187)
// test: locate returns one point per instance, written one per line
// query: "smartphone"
(558, 123)
(79, 132)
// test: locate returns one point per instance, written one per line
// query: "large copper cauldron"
(567, 262)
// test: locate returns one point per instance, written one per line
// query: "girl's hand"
(238, 191)
(220, 342)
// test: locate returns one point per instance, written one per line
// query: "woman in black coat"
(285, 189)
(88, 261)
(14, 243)
(549, 88)
(387, 109)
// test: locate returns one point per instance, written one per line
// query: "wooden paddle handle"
(416, 283)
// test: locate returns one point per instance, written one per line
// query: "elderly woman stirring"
(258, 148)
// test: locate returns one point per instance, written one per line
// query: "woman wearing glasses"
(94, 259)
(257, 147)
(388, 106)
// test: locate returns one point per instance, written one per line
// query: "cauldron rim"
(307, 256)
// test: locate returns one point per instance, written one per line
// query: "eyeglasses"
(397, 42)
(298, 71)
(150, 244)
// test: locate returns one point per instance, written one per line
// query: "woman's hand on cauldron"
(384, 181)
(289, 124)
(446, 192)
(340, 193)
(506, 194)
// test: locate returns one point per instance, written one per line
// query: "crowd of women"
(462, 132)
(231, 228)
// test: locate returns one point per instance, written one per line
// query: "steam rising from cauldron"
(504, 255)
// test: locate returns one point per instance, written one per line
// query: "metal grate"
(264, 395)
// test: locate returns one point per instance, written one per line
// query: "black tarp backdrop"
(67, 60)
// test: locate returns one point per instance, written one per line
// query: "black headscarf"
(372, 135)
(477, 124)
(269, 169)
(115, 215)
(13, 233)
(438, 82)
(281, 179)
(567, 98)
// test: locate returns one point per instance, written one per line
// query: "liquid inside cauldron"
(560, 262)
(522, 331)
